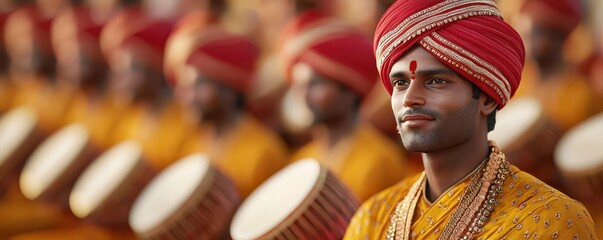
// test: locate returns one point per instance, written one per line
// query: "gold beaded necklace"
(473, 210)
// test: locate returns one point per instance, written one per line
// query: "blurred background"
(119, 68)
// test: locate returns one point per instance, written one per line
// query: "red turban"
(331, 48)
(133, 29)
(469, 36)
(563, 14)
(30, 22)
(180, 42)
(225, 57)
(77, 25)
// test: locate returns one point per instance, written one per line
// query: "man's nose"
(415, 94)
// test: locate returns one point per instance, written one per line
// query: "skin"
(207, 100)
(134, 80)
(332, 105)
(438, 117)
(544, 43)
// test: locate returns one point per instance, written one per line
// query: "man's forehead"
(422, 60)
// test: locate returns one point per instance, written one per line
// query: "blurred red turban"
(563, 14)
(133, 29)
(228, 58)
(76, 25)
(180, 43)
(29, 22)
(331, 48)
(469, 36)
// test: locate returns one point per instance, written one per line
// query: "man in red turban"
(213, 86)
(332, 64)
(449, 65)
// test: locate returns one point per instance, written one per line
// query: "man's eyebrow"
(423, 73)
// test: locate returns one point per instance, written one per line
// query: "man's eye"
(436, 81)
(401, 83)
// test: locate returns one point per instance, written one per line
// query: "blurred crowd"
(256, 85)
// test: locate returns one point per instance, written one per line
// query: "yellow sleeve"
(558, 218)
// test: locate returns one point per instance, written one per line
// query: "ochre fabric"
(468, 36)
(366, 161)
(567, 98)
(528, 209)
(248, 153)
(165, 136)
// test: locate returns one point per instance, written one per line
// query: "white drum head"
(276, 199)
(103, 176)
(50, 160)
(581, 148)
(513, 121)
(167, 192)
(15, 126)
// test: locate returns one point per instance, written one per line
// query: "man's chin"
(416, 145)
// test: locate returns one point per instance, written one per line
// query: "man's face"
(546, 42)
(433, 105)
(133, 78)
(325, 98)
(199, 95)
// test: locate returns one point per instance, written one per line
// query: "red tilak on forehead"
(412, 68)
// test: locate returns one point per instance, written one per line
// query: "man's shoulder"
(530, 206)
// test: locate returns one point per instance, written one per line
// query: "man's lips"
(416, 120)
(416, 117)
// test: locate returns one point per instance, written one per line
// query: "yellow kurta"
(529, 209)
(6, 95)
(366, 161)
(248, 153)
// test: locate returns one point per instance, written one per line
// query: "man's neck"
(224, 121)
(445, 168)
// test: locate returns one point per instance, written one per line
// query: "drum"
(105, 191)
(19, 136)
(579, 156)
(189, 199)
(53, 167)
(302, 201)
(527, 136)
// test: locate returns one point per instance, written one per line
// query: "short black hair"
(492, 116)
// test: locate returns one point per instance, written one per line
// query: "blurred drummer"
(332, 64)
(5, 86)
(212, 86)
(545, 26)
(133, 44)
(32, 60)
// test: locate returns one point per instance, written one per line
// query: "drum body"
(528, 138)
(19, 137)
(579, 156)
(190, 199)
(105, 191)
(302, 201)
(51, 170)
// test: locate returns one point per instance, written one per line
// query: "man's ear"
(488, 106)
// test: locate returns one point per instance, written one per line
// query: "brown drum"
(106, 190)
(528, 138)
(19, 136)
(302, 201)
(51, 170)
(188, 200)
(579, 157)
